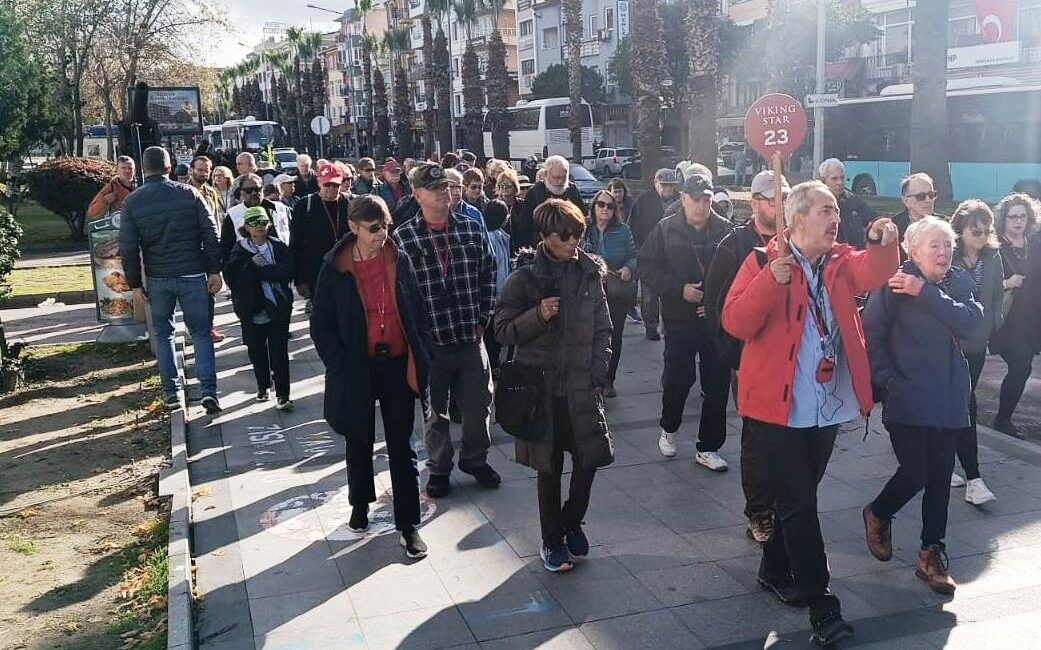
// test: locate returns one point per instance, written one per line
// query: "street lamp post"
(818, 112)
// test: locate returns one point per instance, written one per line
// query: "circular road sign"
(320, 125)
(775, 123)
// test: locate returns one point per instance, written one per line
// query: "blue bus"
(994, 139)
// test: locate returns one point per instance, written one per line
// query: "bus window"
(559, 117)
(526, 119)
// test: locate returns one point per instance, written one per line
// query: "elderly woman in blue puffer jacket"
(913, 328)
(611, 239)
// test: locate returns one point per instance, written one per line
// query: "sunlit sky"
(248, 18)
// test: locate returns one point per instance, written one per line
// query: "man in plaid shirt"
(456, 272)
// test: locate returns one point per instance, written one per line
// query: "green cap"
(256, 216)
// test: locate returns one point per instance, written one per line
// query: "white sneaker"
(711, 460)
(957, 481)
(667, 444)
(977, 493)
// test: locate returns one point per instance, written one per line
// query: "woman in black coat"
(554, 311)
(258, 271)
(370, 329)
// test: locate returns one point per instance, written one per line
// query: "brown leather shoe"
(878, 533)
(932, 567)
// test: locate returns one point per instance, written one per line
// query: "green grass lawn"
(43, 230)
(50, 280)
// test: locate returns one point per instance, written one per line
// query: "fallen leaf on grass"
(28, 512)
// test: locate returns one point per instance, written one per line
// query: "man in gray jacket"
(169, 227)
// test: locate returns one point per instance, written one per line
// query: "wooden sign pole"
(782, 241)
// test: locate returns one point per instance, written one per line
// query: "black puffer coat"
(573, 348)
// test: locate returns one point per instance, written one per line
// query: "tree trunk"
(648, 61)
(573, 45)
(929, 107)
(366, 70)
(703, 42)
(430, 130)
(443, 90)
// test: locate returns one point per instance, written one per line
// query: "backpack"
(729, 348)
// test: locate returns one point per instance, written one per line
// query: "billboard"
(177, 111)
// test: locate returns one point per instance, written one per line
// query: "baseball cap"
(763, 184)
(666, 176)
(284, 178)
(469, 157)
(697, 186)
(391, 165)
(255, 216)
(429, 176)
(181, 170)
(329, 173)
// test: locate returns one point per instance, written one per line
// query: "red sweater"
(381, 310)
(768, 317)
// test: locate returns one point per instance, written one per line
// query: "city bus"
(241, 134)
(541, 128)
(994, 138)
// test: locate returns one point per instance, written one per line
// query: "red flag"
(996, 19)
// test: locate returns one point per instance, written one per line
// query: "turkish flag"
(996, 19)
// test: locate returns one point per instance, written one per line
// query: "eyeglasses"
(922, 196)
(336, 185)
(981, 233)
(376, 227)
(1018, 216)
(605, 205)
(249, 190)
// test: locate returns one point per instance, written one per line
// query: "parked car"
(609, 160)
(588, 185)
(285, 159)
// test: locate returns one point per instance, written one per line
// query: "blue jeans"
(165, 294)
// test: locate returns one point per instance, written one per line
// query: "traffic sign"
(320, 125)
(823, 100)
(775, 123)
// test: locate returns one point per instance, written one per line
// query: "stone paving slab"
(670, 565)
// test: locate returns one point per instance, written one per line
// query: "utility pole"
(818, 112)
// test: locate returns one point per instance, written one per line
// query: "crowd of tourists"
(457, 286)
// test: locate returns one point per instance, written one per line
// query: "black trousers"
(398, 408)
(618, 309)
(926, 457)
(649, 307)
(492, 345)
(268, 349)
(1020, 359)
(755, 478)
(795, 462)
(968, 449)
(554, 518)
(682, 350)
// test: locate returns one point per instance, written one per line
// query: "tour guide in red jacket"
(804, 371)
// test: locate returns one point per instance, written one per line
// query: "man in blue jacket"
(169, 227)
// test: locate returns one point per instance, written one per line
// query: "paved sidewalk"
(62, 258)
(671, 566)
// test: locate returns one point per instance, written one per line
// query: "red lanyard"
(334, 223)
(381, 305)
(444, 255)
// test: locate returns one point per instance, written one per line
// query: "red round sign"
(775, 122)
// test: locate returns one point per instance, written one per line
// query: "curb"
(34, 299)
(1022, 449)
(174, 482)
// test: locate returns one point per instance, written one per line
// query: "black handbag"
(519, 403)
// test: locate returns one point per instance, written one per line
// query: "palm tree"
(929, 105)
(381, 127)
(703, 42)
(278, 61)
(441, 82)
(497, 80)
(572, 10)
(397, 42)
(466, 12)
(370, 45)
(648, 61)
(430, 132)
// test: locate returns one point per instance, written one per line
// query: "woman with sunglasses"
(507, 189)
(554, 311)
(1017, 340)
(258, 272)
(977, 251)
(612, 240)
(371, 331)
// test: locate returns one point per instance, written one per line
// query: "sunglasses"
(568, 236)
(337, 185)
(376, 227)
(249, 190)
(605, 205)
(981, 233)
(922, 196)
(503, 186)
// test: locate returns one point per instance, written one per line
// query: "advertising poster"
(115, 299)
(178, 111)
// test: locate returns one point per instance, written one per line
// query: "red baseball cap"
(329, 173)
(390, 166)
